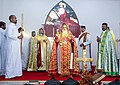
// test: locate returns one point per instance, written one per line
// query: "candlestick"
(53, 32)
(71, 61)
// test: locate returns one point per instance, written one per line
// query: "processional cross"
(84, 59)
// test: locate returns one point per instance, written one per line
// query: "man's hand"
(38, 42)
(45, 41)
(98, 39)
(81, 45)
(71, 40)
(21, 36)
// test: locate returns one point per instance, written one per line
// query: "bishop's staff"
(21, 33)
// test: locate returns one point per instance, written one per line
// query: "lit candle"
(71, 61)
(53, 31)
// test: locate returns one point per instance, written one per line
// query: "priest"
(84, 43)
(2, 48)
(64, 53)
(43, 54)
(13, 59)
(107, 59)
(32, 59)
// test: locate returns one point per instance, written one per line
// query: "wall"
(89, 12)
(1, 9)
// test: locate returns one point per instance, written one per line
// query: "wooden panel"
(49, 30)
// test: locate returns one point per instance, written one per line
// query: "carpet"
(40, 78)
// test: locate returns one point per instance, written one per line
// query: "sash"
(103, 42)
(84, 39)
(39, 61)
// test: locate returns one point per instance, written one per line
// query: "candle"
(22, 20)
(53, 31)
(71, 61)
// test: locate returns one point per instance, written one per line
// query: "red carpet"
(43, 76)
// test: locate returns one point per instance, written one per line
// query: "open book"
(96, 78)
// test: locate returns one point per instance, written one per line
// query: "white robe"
(87, 43)
(13, 60)
(2, 51)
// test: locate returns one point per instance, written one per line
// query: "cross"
(84, 60)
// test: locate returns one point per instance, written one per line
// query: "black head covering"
(116, 82)
(52, 81)
(70, 81)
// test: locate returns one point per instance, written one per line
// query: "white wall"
(1, 5)
(90, 13)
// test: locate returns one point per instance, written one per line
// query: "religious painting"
(61, 13)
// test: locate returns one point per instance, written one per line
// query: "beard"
(103, 29)
(41, 33)
(15, 22)
(4, 28)
(33, 35)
